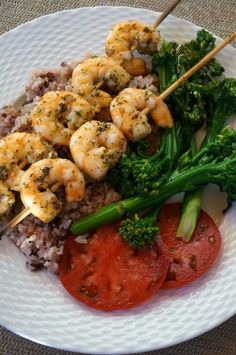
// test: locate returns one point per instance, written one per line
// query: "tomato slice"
(107, 274)
(190, 260)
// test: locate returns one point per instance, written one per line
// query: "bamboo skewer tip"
(166, 12)
(16, 220)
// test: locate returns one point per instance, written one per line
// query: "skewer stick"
(146, 110)
(196, 67)
(98, 85)
(165, 13)
(17, 219)
(22, 215)
(20, 101)
(167, 92)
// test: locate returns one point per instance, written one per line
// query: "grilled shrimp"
(58, 114)
(98, 70)
(17, 151)
(96, 147)
(7, 198)
(39, 180)
(126, 37)
(126, 112)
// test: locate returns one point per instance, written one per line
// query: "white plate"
(35, 305)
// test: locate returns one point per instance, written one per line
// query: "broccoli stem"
(189, 215)
(192, 200)
(191, 206)
(111, 213)
(217, 123)
(187, 180)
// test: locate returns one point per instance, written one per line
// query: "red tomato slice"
(107, 274)
(190, 260)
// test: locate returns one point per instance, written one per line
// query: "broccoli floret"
(221, 103)
(190, 53)
(189, 105)
(140, 232)
(135, 175)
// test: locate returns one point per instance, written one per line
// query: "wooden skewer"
(22, 164)
(98, 85)
(167, 92)
(17, 219)
(165, 13)
(146, 110)
(19, 102)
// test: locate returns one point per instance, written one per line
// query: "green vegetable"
(216, 163)
(221, 103)
(197, 102)
(220, 97)
(164, 64)
(139, 175)
(189, 215)
(187, 103)
(140, 232)
(142, 175)
(191, 52)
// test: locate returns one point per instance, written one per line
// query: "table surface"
(216, 16)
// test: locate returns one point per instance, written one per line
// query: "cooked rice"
(8, 117)
(43, 243)
(42, 80)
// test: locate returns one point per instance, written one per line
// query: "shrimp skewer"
(21, 99)
(38, 196)
(202, 62)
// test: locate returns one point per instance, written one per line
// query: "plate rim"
(102, 7)
(228, 314)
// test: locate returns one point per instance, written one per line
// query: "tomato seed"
(192, 262)
(90, 291)
(212, 239)
(86, 275)
(171, 275)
